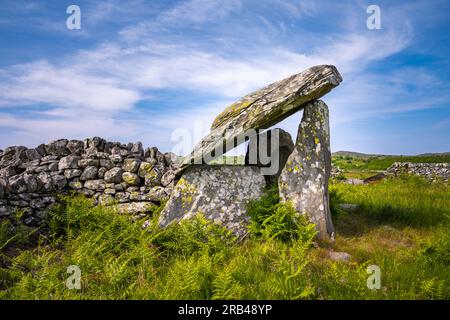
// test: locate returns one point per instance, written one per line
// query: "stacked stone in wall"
(128, 177)
(431, 171)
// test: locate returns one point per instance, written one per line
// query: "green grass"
(383, 162)
(230, 160)
(401, 225)
(227, 160)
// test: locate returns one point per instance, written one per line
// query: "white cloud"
(88, 92)
(64, 86)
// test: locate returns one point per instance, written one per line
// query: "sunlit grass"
(401, 225)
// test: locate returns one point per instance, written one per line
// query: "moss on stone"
(230, 112)
(130, 178)
(145, 168)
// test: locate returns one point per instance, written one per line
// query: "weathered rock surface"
(57, 148)
(262, 109)
(354, 181)
(131, 178)
(131, 165)
(304, 179)
(339, 256)
(72, 173)
(153, 176)
(69, 162)
(134, 207)
(114, 175)
(260, 153)
(89, 173)
(375, 178)
(220, 193)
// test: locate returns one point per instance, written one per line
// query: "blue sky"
(153, 70)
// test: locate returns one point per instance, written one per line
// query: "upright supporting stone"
(304, 179)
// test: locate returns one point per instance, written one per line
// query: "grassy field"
(357, 165)
(371, 163)
(400, 225)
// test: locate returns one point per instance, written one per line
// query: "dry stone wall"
(125, 176)
(431, 171)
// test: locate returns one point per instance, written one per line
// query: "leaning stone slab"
(262, 109)
(304, 179)
(219, 192)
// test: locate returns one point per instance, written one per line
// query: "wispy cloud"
(43, 83)
(199, 11)
(197, 47)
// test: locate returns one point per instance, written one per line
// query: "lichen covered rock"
(220, 193)
(131, 178)
(134, 207)
(304, 179)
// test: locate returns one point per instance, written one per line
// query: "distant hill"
(434, 154)
(354, 154)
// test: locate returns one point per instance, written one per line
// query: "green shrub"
(271, 219)
(192, 235)
(436, 249)
(15, 234)
(336, 198)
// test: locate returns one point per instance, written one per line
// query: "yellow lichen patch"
(189, 199)
(145, 168)
(135, 194)
(185, 186)
(151, 175)
(187, 191)
(130, 179)
(230, 112)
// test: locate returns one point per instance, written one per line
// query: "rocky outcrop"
(304, 179)
(431, 171)
(219, 192)
(125, 176)
(262, 109)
